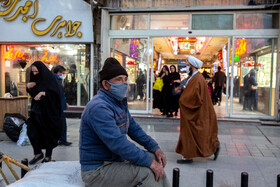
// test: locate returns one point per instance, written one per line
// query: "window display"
(257, 69)
(17, 58)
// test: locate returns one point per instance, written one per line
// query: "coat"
(198, 122)
(45, 124)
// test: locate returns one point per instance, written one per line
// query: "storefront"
(55, 32)
(229, 29)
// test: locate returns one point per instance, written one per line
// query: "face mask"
(36, 77)
(187, 69)
(62, 76)
(118, 90)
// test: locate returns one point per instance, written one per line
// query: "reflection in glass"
(257, 21)
(212, 21)
(254, 76)
(129, 22)
(132, 54)
(177, 21)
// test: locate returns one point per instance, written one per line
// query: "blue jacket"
(62, 94)
(104, 125)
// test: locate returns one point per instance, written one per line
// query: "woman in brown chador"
(198, 123)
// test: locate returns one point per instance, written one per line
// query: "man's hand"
(67, 106)
(157, 169)
(160, 157)
(31, 85)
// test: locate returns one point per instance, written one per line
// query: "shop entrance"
(173, 51)
(249, 65)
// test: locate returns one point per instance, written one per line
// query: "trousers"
(122, 174)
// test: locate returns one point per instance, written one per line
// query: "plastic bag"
(158, 84)
(12, 125)
(61, 173)
(23, 138)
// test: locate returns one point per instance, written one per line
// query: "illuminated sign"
(242, 47)
(190, 40)
(220, 55)
(14, 55)
(236, 58)
(131, 63)
(251, 64)
(57, 23)
(134, 49)
(49, 59)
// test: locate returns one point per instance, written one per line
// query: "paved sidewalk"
(244, 147)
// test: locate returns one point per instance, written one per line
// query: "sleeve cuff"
(154, 149)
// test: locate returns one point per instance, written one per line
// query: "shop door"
(133, 55)
(253, 70)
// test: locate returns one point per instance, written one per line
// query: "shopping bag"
(158, 84)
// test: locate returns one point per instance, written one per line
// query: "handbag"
(158, 84)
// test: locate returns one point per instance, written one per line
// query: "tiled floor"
(237, 108)
(244, 147)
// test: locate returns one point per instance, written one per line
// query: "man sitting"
(107, 157)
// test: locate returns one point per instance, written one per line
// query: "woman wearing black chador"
(45, 123)
(166, 90)
(175, 79)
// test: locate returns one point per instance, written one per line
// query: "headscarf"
(44, 80)
(161, 72)
(174, 75)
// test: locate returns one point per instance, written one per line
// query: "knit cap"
(111, 68)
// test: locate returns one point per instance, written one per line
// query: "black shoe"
(34, 160)
(216, 154)
(187, 161)
(46, 160)
(176, 113)
(64, 143)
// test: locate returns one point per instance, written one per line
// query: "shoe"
(216, 154)
(176, 113)
(46, 160)
(64, 143)
(183, 161)
(34, 160)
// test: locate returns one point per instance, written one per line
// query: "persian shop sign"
(242, 47)
(18, 54)
(71, 28)
(14, 55)
(49, 59)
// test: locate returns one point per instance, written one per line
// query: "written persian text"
(71, 29)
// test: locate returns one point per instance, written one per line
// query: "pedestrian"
(175, 82)
(219, 80)
(59, 75)
(140, 81)
(209, 85)
(198, 122)
(247, 89)
(166, 91)
(45, 125)
(254, 91)
(107, 157)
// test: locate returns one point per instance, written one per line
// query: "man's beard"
(191, 71)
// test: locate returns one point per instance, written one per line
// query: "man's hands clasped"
(157, 166)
